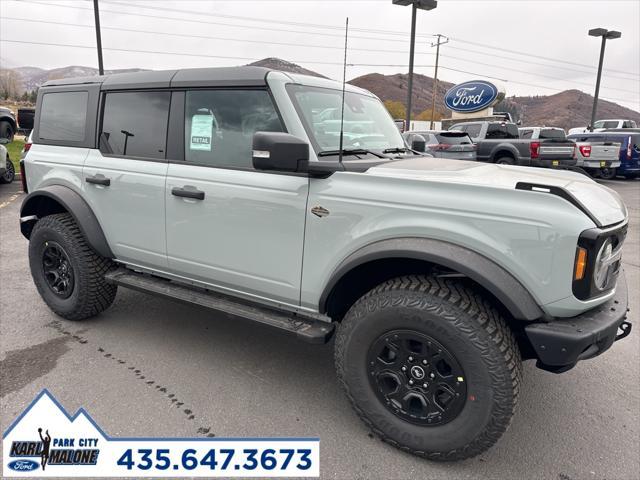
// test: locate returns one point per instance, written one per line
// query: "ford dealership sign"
(472, 96)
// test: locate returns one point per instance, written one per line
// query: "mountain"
(30, 78)
(394, 87)
(567, 109)
(279, 64)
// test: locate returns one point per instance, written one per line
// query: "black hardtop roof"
(246, 76)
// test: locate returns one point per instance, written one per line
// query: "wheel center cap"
(417, 372)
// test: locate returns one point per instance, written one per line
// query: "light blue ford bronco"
(228, 188)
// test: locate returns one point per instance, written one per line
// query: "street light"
(606, 35)
(415, 5)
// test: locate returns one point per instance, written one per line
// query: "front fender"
(56, 199)
(504, 286)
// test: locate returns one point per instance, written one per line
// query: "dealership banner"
(45, 441)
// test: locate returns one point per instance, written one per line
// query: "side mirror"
(280, 152)
(519, 122)
(418, 143)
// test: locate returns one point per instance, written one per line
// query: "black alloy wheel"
(58, 272)
(416, 378)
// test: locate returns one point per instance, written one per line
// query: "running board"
(307, 329)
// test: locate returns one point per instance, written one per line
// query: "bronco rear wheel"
(68, 273)
(430, 366)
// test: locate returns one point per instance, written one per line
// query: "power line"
(207, 37)
(315, 25)
(295, 61)
(306, 45)
(530, 62)
(484, 45)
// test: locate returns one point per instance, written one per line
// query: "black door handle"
(188, 192)
(99, 180)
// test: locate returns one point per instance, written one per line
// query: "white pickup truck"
(599, 157)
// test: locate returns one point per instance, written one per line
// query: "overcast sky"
(528, 35)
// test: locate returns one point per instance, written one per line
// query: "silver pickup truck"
(500, 142)
(597, 155)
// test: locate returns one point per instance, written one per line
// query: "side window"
(494, 130)
(219, 125)
(473, 130)
(63, 116)
(134, 124)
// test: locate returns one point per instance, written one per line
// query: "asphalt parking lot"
(150, 367)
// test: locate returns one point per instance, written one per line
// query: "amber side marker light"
(581, 263)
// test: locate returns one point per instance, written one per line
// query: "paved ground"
(230, 378)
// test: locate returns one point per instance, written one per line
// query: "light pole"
(606, 35)
(415, 5)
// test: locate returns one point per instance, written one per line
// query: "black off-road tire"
(6, 130)
(467, 326)
(608, 173)
(10, 174)
(91, 294)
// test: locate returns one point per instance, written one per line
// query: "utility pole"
(96, 14)
(415, 5)
(606, 35)
(435, 76)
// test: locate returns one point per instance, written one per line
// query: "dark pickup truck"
(500, 142)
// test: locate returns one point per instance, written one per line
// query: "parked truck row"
(606, 153)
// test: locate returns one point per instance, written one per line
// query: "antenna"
(344, 80)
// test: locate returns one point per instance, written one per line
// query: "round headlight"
(603, 263)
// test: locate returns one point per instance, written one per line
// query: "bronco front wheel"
(430, 366)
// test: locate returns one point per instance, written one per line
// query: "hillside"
(571, 108)
(27, 79)
(394, 87)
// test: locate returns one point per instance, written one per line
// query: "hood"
(603, 204)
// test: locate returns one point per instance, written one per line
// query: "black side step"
(307, 329)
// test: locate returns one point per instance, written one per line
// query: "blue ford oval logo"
(471, 96)
(23, 465)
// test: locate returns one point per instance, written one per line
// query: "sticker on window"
(201, 130)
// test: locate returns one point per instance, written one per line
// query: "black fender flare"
(504, 286)
(35, 204)
(504, 147)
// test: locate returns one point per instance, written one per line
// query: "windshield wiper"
(352, 151)
(397, 150)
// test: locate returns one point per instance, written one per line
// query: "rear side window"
(473, 130)
(63, 116)
(219, 125)
(526, 133)
(502, 130)
(451, 138)
(552, 134)
(134, 124)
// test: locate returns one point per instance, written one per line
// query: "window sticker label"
(201, 132)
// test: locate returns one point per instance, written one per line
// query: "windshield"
(367, 124)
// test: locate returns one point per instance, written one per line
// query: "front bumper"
(562, 343)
